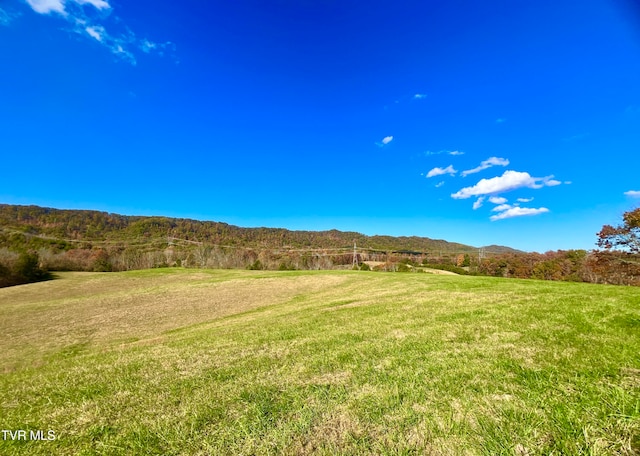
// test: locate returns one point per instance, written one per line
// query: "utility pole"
(355, 255)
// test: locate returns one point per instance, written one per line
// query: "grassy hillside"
(180, 361)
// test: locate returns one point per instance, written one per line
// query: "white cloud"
(147, 46)
(478, 203)
(518, 212)
(524, 200)
(449, 152)
(47, 6)
(552, 182)
(385, 141)
(502, 207)
(497, 200)
(420, 96)
(510, 180)
(89, 22)
(440, 171)
(96, 32)
(488, 163)
(119, 46)
(121, 52)
(633, 193)
(98, 4)
(58, 6)
(439, 184)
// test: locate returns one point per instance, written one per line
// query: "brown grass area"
(334, 431)
(86, 308)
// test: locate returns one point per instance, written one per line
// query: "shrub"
(25, 269)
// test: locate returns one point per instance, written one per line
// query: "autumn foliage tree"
(619, 262)
(625, 237)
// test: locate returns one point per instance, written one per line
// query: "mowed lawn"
(205, 362)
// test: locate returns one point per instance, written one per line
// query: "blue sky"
(503, 122)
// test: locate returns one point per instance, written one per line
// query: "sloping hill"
(66, 228)
(183, 361)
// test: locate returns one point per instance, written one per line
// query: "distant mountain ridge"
(72, 226)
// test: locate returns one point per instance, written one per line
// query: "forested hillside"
(82, 240)
(65, 228)
(36, 227)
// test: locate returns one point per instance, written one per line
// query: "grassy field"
(343, 362)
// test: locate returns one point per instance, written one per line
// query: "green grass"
(256, 362)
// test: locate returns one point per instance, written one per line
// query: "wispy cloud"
(403, 100)
(524, 200)
(86, 17)
(633, 193)
(497, 200)
(439, 184)
(510, 180)
(441, 171)
(501, 120)
(6, 17)
(478, 203)
(98, 4)
(119, 47)
(96, 32)
(440, 152)
(488, 163)
(517, 211)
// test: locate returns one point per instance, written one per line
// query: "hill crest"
(90, 226)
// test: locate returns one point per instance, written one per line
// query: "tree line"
(34, 241)
(68, 229)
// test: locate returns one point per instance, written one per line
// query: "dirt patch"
(438, 271)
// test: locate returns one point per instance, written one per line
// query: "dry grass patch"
(90, 309)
